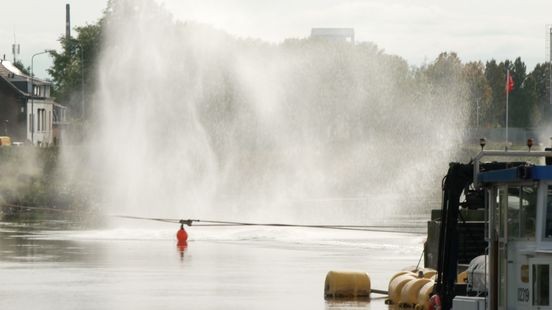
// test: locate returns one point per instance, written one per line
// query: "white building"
(28, 107)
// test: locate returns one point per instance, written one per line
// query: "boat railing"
(482, 154)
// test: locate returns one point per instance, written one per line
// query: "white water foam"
(402, 242)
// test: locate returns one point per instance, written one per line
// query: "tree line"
(483, 83)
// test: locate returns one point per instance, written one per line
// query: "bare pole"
(67, 21)
(507, 91)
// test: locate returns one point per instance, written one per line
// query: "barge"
(488, 247)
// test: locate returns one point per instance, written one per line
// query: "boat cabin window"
(521, 214)
(548, 214)
(541, 285)
(513, 212)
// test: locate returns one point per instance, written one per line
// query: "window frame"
(534, 282)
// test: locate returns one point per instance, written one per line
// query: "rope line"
(420, 260)
(215, 223)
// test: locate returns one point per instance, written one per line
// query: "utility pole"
(507, 92)
(67, 21)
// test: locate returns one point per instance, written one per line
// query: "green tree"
(522, 98)
(479, 93)
(73, 67)
(541, 78)
(445, 71)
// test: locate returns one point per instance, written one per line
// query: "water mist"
(195, 123)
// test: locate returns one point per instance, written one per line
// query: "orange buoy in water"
(182, 235)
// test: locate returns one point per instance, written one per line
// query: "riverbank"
(35, 185)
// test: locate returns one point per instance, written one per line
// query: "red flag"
(509, 82)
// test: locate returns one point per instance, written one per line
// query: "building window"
(42, 121)
(548, 223)
(541, 285)
(38, 125)
(513, 204)
(521, 212)
(528, 213)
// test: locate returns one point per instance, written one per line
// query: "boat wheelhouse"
(518, 232)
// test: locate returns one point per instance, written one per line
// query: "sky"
(417, 30)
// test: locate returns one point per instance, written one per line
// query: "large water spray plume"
(193, 122)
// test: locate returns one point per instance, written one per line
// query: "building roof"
(9, 71)
(11, 75)
(7, 68)
(3, 79)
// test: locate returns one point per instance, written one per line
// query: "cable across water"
(217, 223)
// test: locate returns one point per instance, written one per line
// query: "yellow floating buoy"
(400, 273)
(396, 285)
(347, 284)
(429, 273)
(411, 290)
(424, 294)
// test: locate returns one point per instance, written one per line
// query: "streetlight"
(32, 93)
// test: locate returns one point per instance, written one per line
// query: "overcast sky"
(417, 30)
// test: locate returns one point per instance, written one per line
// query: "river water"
(221, 268)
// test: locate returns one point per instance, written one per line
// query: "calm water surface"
(221, 268)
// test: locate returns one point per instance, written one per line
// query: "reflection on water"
(22, 243)
(245, 268)
(375, 302)
(349, 304)
(181, 247)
